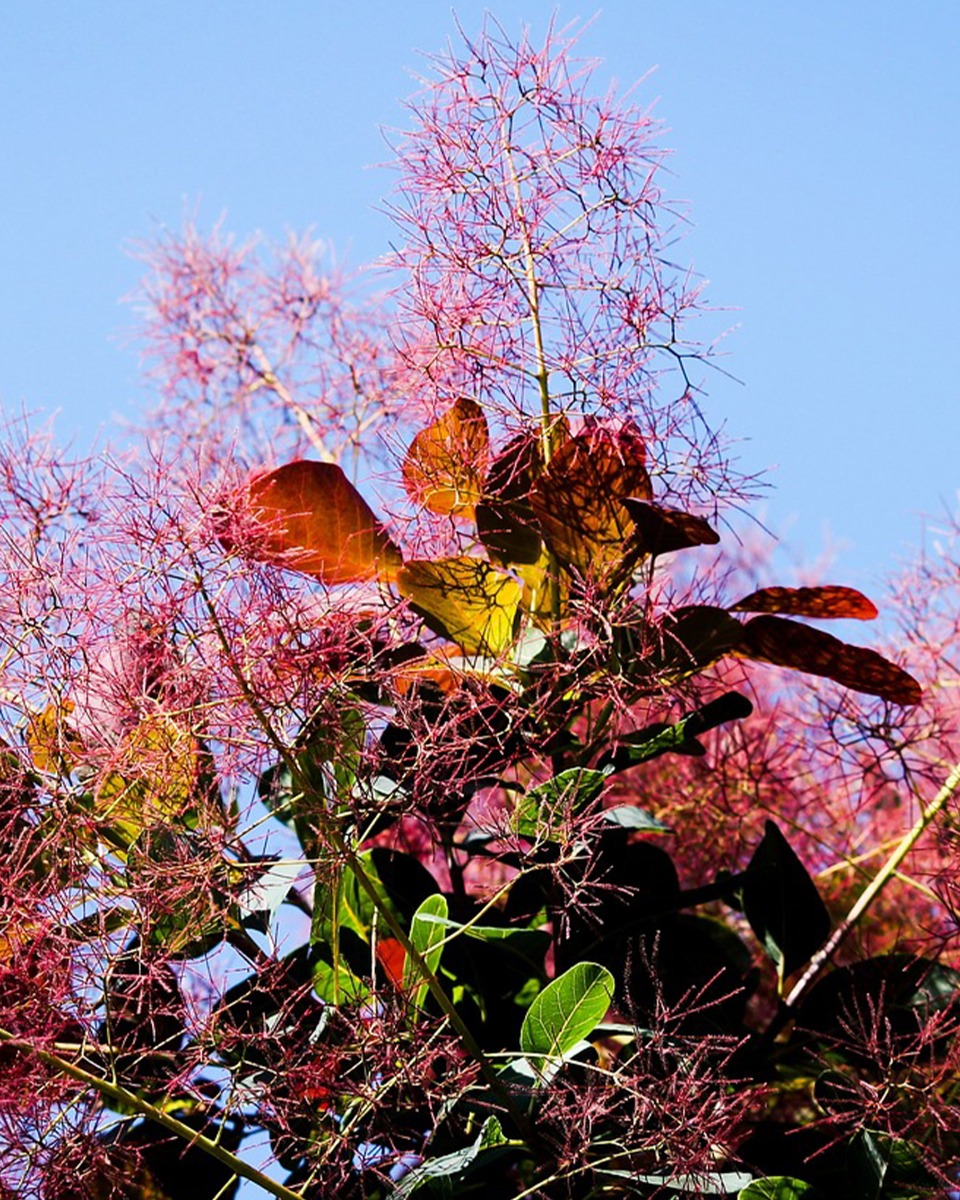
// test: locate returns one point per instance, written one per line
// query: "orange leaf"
(661, 530)
(579, 499)
(464, 599)
(828, 601)
(789, 644)
(447, 461)
(309, 517)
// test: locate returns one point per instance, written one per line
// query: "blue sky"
(818, 145)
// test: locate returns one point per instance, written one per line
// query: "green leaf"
(336, 983)
(627, 816)
(782, 904)
(544, 806)
(776, 1187)
(565, 1011)
(886, 1168)
(706, 1183)
(427, 931)
(448, 1170)
(344, 914)
(401, 883)
(680, 738)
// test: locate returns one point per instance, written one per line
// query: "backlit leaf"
(787, 643)
(661, 530)
(464, 599)
(53, 745)
(826, 602)
(776, 1187)
(579, 500)
(307, 516)
(446, 463)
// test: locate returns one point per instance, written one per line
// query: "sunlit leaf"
(579, 500)
(680, 738)
(661, 530)
(307, 516)
(543, 809)
(446, 463)
(828, 601)
(464, 599)
(787, 643)
(776, 1187)
(565, 1011)
(392, 959)
(53, 745)
(700, 1183)
(427, 931)
(451, 1172)
(628, 816)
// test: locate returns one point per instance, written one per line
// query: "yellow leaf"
(464, 599)
(579, 498)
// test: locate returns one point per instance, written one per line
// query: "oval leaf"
(464, 599)
(579, 500)
(307, 516)
(825, 602)
(789, 644)
(446, 462)
(775, 1187)
(565, 1012)
(782, 904)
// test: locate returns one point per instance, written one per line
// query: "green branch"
(873, 889)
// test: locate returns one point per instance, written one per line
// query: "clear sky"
(818, 145)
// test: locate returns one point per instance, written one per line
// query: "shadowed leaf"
(464, 599)
(826, 602)
(580, 499)
(661, 530)
(309, 517)
(782, 903)
(694, 636)
(446, 462)
(789, 644)
(506, 523)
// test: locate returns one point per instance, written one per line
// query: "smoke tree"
(407, 788)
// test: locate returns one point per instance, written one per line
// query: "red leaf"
(790, 644)
(308, 517)
(661, 530)
(391, 956)
(446, 462)
(827, 601)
